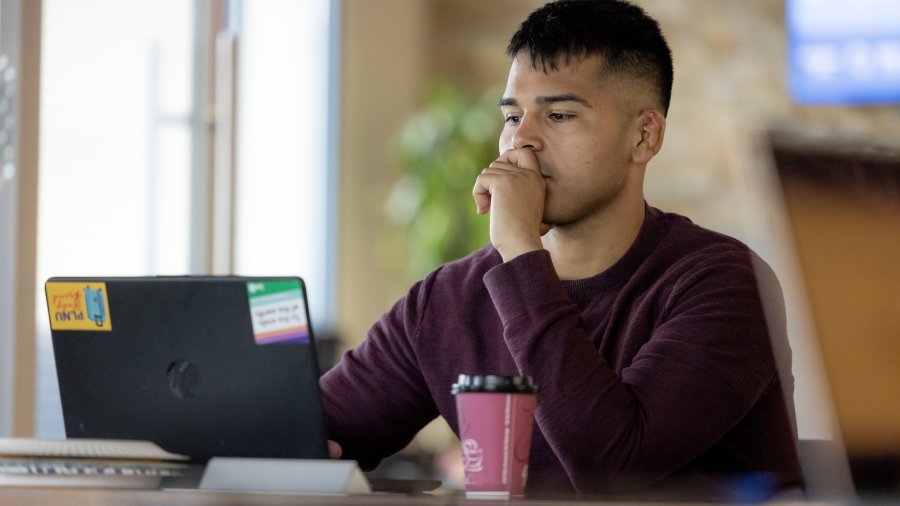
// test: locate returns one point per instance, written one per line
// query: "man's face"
(579, 130)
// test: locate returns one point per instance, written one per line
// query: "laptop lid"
(202, 366)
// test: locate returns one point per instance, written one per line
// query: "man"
(644, 332)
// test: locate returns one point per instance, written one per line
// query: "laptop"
(202, 366)
(843, 208)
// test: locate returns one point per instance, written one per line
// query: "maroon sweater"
(659, 370)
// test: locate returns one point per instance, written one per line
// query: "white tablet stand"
(291, 476)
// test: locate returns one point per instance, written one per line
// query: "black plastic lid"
(491, 383)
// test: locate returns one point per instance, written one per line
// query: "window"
(115, 169)
(283, 216)
(125, 114)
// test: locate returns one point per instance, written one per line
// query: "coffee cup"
(496, 419)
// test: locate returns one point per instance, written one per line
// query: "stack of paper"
(85, 463)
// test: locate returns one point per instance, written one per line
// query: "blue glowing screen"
(844, 51)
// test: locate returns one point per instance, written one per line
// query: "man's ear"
(652, 128)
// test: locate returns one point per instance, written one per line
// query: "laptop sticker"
(278, 312)
(78, 306)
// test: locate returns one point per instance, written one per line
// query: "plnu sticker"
(78, 306)
(278, 312)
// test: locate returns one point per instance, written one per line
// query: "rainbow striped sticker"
(278, 312)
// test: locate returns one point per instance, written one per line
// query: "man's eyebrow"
(547, 99)
(567, 97)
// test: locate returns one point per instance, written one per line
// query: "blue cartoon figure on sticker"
(96, 309)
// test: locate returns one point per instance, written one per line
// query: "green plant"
(441, 150)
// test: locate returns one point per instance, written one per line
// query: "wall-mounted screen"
(844, 51)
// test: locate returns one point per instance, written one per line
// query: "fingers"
(513, 189)
(520, 158)
(482, 196)
(486, 184)
(513, 162)
(334, 449)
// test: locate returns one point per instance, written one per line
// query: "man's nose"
(527, 134)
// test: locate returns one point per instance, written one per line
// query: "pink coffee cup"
(496, 419)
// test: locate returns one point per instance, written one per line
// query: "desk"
(123, 497)
(119, 497)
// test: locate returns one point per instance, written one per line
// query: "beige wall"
(383, 62)
(730, 88)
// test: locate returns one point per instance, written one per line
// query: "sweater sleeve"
(704, 366)
(375, 399)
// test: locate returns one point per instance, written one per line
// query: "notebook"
(201, 366)
(843, 208)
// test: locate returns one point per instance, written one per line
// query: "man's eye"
(512, 119)
(558, 116)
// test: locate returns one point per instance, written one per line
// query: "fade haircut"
(629, 41)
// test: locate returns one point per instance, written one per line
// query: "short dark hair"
(630, 42)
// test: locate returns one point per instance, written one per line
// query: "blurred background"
(338, 140)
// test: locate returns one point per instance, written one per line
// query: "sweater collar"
(648, 237)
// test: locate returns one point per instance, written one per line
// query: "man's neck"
(592, 246)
